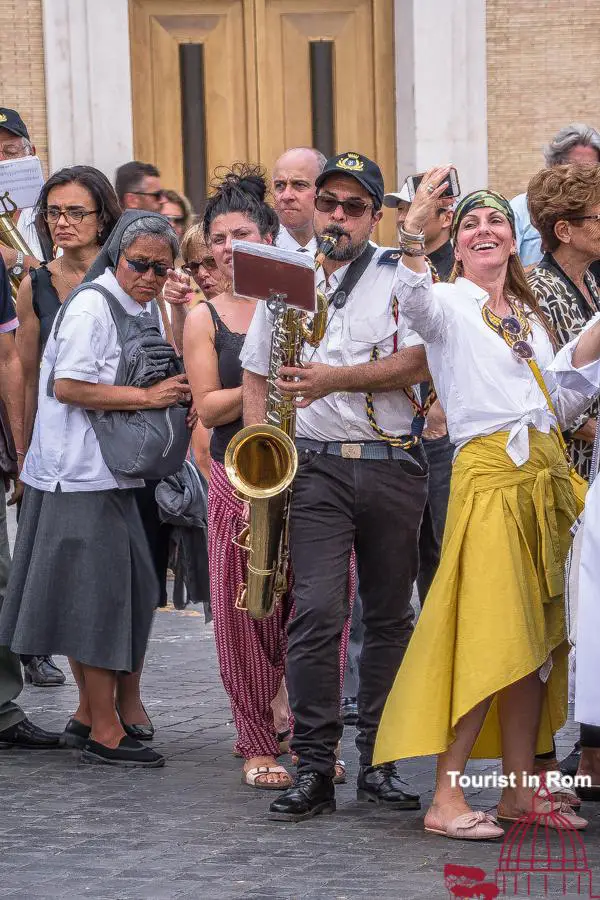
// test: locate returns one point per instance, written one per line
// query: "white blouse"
(482, 386)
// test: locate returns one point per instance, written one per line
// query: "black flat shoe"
(27, 735)
(42, 671)
(75, 734)
(138, 732)
(383, 785)
(312, 794)
(128, 753)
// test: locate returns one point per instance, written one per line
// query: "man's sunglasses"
(159, 269)
(595, 217)
(192, 268)
(176, 220)
(353, 208)
(158, 195)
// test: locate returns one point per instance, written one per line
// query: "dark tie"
(302, 250)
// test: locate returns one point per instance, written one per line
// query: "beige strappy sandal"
(252, 778)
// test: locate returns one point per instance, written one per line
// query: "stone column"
(88, 83)
(441, 88)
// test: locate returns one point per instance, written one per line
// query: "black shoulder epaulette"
(389, 258)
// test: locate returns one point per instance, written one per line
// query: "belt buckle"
(351, 451)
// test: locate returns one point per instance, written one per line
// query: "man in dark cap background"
(354, 488)
(15, 144)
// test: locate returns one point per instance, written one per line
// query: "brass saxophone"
(10, 236)
(261, 460)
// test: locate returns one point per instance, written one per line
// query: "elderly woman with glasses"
(485, 672)
(565, 208)
(82, 582)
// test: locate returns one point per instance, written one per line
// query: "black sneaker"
(128, 753)
(42, 671)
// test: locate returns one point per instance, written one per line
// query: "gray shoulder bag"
(146, 443)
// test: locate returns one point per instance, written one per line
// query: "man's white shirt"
(286, 241)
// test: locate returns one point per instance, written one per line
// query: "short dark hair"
(129, 176)
(243, 189)
(96, 182)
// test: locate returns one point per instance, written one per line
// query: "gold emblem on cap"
(3, 118)
(351, 162)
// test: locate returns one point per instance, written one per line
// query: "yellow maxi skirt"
(495, 611)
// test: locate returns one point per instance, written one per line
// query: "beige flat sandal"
(555, 815)
(252, 778)
(470, 826)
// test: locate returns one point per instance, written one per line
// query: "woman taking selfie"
(485, 672)
(90, 595)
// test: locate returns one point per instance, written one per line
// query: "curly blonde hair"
(561, 192)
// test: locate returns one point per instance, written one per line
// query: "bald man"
(294, 176)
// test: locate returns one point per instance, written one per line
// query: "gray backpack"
(148, 443)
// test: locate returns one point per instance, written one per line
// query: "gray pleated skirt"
(82, 582)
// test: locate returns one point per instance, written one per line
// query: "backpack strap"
(117, 312)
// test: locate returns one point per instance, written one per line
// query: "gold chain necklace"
(64, 277)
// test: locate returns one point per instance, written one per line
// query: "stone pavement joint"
(192, 830)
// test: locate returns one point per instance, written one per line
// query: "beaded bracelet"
(412, 251)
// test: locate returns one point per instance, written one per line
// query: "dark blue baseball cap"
(360, 167)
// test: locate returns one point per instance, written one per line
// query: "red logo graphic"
(542, 854)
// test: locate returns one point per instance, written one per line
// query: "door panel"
(261, 90)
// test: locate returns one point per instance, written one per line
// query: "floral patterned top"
(568, 311)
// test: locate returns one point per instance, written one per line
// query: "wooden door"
(224, 30)
(275, 74)
(361, 53)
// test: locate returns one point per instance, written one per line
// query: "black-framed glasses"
(595, 217)
(142, 266)
(352, 208)
(73, 215)
(192, 268)
(158, 195)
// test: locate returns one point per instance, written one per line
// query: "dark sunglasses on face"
(353, 208)
(192, 268)
(158, 195)
(72, 214)
(141, 267)
(176, 220)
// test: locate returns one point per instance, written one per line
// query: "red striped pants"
(251, 652)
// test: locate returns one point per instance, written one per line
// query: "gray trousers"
(11, 678)
(376, 507)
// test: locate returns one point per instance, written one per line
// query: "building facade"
(194, 84)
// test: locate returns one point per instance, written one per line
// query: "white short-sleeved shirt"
(483, 388)
(286, 241)
(64, 449)
(353, 331)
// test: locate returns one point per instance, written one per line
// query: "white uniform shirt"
(286, 241)
(482, 386)
(364, 322)
(26, 228)
(64, 449)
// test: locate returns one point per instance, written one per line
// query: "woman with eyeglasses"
(564, 203)
(76, 211)
(83, 582)
(485, 674)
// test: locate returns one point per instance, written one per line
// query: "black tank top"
(228, 346)
(44, 300)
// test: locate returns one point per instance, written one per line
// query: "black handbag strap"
(352, 276)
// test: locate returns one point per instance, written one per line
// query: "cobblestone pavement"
(191, 829)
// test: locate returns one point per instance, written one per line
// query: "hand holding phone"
(452, 188)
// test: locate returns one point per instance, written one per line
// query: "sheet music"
(23, 179)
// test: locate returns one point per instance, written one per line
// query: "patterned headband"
(477, 200)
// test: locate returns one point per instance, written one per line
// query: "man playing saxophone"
(362, 482)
